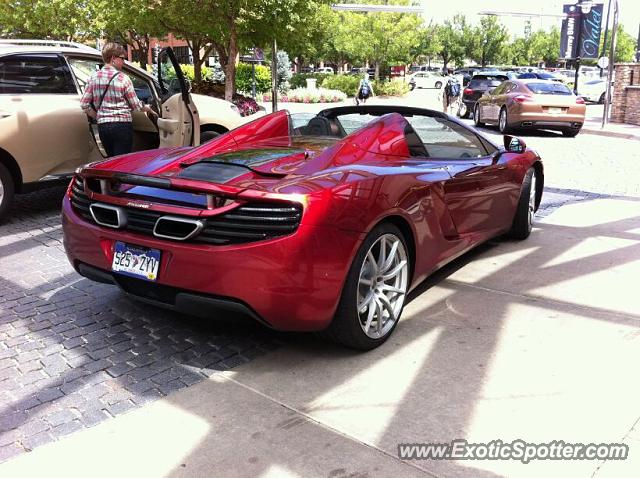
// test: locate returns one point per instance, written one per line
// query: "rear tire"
(570, 133)
(438, 84)
(526, 208)
(503, 121)
(601, 100)
(374, 293)
(7, 191)
(476, 116)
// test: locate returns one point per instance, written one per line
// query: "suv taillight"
(467, 91)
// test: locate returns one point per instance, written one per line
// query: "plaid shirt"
(119, 101)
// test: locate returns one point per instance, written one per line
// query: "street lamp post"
(612, 57)
(583, 7)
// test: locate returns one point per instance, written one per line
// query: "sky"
(439, 10)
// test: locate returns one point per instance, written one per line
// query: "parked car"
(425, 79)
(242, 223)
(44, 133)
(467, 74)
(541, 75)
(479, 84)
(593, 90)
(327, 70)
(531, 104)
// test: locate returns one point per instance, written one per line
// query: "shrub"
(299, 80)
(284, 71)
(348, 84)
(395, 87)
(245, 104)
(189, 72)
(243, 78)
(304, 95)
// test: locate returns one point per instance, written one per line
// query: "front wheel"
(208, 136)
(526, 208)
(374, 292)
(7, 190)
(438, 84)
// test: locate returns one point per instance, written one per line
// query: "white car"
(593, 90)
(425, 79)
(44, 135)
(327, 70)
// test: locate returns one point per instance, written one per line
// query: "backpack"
(364, 88)
(453, 88)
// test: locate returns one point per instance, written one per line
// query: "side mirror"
(514, 145)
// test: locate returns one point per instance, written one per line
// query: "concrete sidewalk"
(593, 125)
(534, 340)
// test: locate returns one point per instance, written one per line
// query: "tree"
(72, 20)
(429, 45)
(456, 40)
(489, 40)
(131, 21)
(625, 46)
(545, 46)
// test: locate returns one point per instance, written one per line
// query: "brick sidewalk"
(74, 352)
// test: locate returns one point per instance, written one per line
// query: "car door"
(480, 192)
(178, 124)
(41, 125)
(493, 103)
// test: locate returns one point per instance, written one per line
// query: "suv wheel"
(7, 189)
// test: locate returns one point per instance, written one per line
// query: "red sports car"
(311, 223)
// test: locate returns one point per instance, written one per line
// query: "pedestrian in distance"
(109, 98)
(451, 93)
(365, 90)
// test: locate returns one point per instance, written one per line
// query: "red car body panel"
(345, 188)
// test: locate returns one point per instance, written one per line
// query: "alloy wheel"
(1, 192)
(532, 200)
(382, 286)
(503, 120)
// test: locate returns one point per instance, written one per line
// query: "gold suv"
(44, 135)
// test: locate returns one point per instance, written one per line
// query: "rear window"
(35, 74)
(548, 89)
(477, 84)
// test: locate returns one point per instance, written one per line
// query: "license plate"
(136, 261)
(555, 111)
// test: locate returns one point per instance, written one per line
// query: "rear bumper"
(289, 283)
(547, 120)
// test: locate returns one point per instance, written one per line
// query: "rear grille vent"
(248, 223)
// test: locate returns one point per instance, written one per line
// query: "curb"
(611, 134)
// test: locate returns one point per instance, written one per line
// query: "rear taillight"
(522, 99)
(579, 100)
(468, 91)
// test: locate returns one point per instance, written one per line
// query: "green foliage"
(299, 80)
(55, 19)
(489, 40)
(244, 82)
(305, 95)
(189, 74)
(348, 84)
(284, 71)
(395, 87)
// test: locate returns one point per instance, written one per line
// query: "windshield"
(549, 89)
(428, 136)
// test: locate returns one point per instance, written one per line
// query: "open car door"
(178, 124)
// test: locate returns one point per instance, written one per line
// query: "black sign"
(583, 28)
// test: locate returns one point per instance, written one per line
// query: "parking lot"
(541, 334)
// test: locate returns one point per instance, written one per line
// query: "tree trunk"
(377, 72)
(230, 70)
